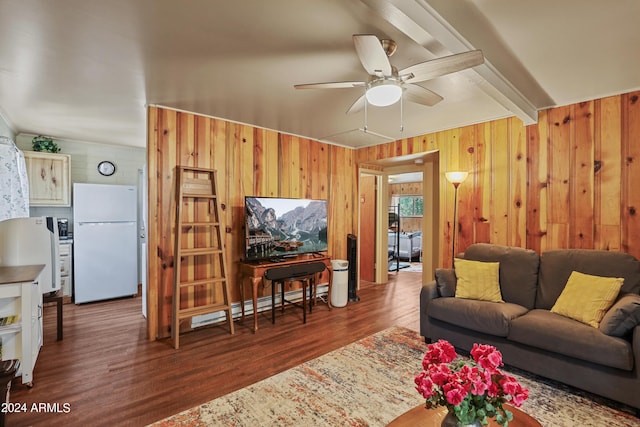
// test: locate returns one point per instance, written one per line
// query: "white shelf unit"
(66, 270)
(20, 294)
(10, 329)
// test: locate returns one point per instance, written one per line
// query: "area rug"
(395, 266)
(370, 383)
(415, 267)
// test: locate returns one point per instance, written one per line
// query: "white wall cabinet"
(49, 178)
(66, 270)
(20, 295)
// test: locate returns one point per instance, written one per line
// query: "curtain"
(14, 183)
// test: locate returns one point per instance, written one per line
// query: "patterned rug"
(395, 266)
(370, 383)
(415, 267)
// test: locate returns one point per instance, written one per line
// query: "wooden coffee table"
(422, 417)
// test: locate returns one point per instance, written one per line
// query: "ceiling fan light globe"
(382, 95)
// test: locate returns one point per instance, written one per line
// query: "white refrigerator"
(105, 236)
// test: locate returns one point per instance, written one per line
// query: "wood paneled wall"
(565, 182)
(585, 165)
(492, 201)
(249, 161)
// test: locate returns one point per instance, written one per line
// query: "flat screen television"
(279, 227)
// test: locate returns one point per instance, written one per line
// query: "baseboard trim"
(264, 304)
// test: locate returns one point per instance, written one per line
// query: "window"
(409, 205)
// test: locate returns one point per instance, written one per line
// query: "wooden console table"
(254, 272)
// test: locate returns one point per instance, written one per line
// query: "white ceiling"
(405, 177)
(86, 69)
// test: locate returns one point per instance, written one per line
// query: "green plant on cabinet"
(44, 143)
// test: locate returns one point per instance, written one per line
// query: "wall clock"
(106, 168)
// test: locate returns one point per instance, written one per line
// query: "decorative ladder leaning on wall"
(200, 260)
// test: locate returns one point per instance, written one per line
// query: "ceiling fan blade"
(439, 67)
(372, 54)
(330, 85)
(357, 106)
(420, 95)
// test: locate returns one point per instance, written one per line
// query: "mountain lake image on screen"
(281, 227)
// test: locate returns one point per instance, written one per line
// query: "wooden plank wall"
(584, 165)
(491, 202)
(565, 182)
(249, 161)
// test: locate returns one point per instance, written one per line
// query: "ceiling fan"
(386, 85)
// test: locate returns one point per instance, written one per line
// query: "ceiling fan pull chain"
(365, 114)
(401, 111)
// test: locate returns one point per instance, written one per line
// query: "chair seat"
(305, 274)
(296, 270)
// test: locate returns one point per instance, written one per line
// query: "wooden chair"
(8, 369)
(57, 298)
(305, 274)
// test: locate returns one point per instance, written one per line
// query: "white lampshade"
(456, 177)
(383, 93)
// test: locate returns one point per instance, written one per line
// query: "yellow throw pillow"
(587, 298)
(478, 280)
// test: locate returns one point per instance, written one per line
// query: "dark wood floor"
(108, 373)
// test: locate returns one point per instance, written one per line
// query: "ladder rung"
(201, 224)
(200, 251)
(199, 196)
(211, 280)
(202, 309)
(196, 169)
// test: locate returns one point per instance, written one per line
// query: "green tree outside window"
(411, 206)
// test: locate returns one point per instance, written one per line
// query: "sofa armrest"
(446, 282)
(428, 292)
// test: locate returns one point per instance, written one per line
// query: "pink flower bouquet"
(472, 390)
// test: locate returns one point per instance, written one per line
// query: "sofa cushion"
(559, 334)
(622, 317)
(518, 270)
(446, 281)
(477, 280)
(556, 267)
(482, 316)
(587, 298)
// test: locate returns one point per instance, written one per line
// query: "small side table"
(420, 416)
(57, 298)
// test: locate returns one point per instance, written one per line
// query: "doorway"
(406, 209)
(428, 164)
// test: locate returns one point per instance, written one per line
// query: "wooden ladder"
(200, 261)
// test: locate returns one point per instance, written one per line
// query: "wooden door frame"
(378, 202)
(363, 191)
(431, 240)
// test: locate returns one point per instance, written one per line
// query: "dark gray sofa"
(524, 329)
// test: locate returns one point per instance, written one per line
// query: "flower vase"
(450, 420)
